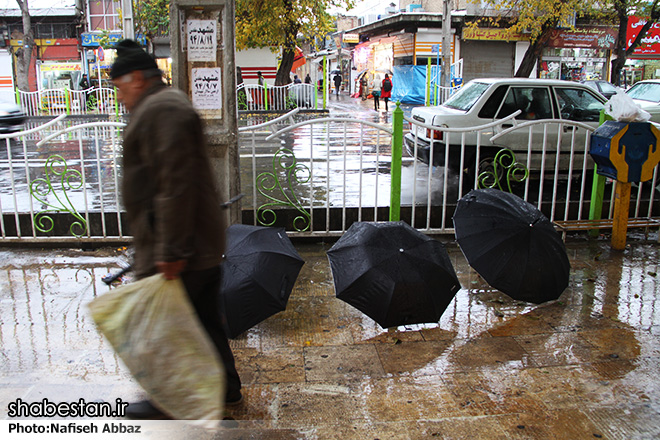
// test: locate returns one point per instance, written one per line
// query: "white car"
(647, 95)
(482, 101)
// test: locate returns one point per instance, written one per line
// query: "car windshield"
(645, 92)
(465, 98)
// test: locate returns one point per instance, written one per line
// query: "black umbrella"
(393, 273)
(512, 245)
(260, 268)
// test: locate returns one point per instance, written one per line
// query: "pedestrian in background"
(308, 80)
(172, 206)
(261, 78)
(386, 93)
(337, 80)
(364, 87)
(375, 92)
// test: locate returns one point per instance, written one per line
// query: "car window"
(465, 98)
(578, 104)
(533, 102)
(645, 92)
(606, 87)
(493, 103)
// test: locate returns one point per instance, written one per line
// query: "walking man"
(375, 92)
(171, 204)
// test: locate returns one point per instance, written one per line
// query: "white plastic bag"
(156, 332)
(622, 108)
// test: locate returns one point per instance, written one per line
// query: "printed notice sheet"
(207, 88)
(202, 40)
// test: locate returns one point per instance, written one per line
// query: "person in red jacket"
(386, 89)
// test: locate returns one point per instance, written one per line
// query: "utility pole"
(127, 19)
(446, 43)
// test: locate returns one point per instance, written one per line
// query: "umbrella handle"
(231, 201)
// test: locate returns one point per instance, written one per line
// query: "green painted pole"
(18, 96)
(395, 172)
(67, 101)
(325, 78)
(428, 83)
(597, 189)
(116, 104)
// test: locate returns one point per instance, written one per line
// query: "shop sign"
(650, 43)
(585, 37)
(351, 38)
(93, 39)
(60, 67)
(492, 34)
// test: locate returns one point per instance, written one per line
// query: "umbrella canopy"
(512, 245)
(260, 268)
(393, 273)
(298, 59)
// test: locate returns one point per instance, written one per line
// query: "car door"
(581, 105)
(535, 103)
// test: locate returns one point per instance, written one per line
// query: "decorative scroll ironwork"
(41, 187)
(271, 187)
(503, 169)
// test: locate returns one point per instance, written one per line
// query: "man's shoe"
(234, 399)
(144, 410)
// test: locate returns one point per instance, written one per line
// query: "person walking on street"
(308, 79)
(375, 92)
(261, 78)
(364, 87)
(386, 93)
(171, 202)
(337, 80)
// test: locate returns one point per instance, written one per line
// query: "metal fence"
(278, 98)
(53, 102)
(314, 177)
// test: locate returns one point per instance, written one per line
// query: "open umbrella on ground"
(393, 273)
(260, 268)
(512, 245)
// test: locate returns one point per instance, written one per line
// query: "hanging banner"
(585, 37)
(650, 42)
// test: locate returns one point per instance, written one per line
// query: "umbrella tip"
(401, 250)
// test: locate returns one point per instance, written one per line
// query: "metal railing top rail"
(320, 120)
(467, 129)
(80, 127)
(271, 122)
(33, 130)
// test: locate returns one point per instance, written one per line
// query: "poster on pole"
(202, 40)
(207, 88)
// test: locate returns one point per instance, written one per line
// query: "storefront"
(59, 75)
(577, 55)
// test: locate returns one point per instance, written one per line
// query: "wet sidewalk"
(582, 367)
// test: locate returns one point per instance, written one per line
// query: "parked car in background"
(603, 87)
(647, 95)
(12, 117)
(482, 101)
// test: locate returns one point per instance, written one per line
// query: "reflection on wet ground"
(584, 366)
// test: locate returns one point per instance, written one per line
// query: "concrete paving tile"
(281, 365)
(551, 425)
(492, 393)
(488, 353)
(637, 421)
(462, 428)
(407, 399)
(570, 386)
(393, 336)
(342, 363)
(618, 343)
(414, 358)
(526, 324)
(357, 430)
(556, 349)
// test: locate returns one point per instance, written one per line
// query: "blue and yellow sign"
(627, 152)
(93, 39)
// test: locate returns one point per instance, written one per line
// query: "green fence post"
(395, 172)
(428, 83)
(67, 101)
(597, 189)
(18, 96)
(116, 103)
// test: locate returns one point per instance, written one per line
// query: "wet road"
(582, 367)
